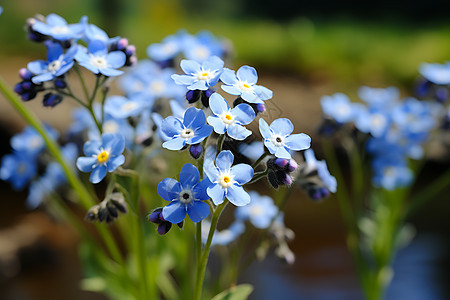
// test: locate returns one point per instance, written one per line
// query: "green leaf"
(239, 292)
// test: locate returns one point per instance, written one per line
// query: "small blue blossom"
(97, 59)
(56, 27)
(436, 73)
(169, 47)
(230, 120)
(120, 107)
(391, 172)
(18, 168)
(322, 170)
(191, 130)
(186, 196)
(379, 97)
(57, 64)
(227, 180)
(202, 46)
(102, 156)
(374, 120)
(243, 84)
(340, 108)
(279, 140)
(260, 211)
(30, 142)
(200, 76)
(225, 236)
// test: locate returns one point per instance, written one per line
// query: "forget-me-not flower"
(191, 130)
(102, 156)
(279, 140)
(120, 107)
(56, 65)
(29, 141)
(18, 168)
(202, 46)
(260, 211)
(436, 73)
(230, 120)
(227, 180)
(340, 108)
(322, 170)
(243, 84)
(186, 196)
(56, 27)
(391, 172)
(200, 76)
(97, 59)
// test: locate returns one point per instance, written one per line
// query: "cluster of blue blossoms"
(395, 130)
(160, 107)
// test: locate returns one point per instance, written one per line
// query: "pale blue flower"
(56, 27)
(260, 211)
(340, 108)
(200, 76)
(279, 140)
(322, 170)
(202, 46)
(227, 180)
(224, 236)
(230, 120)
(243, 84)
(97, 59)
(436, 73)
(18, 168)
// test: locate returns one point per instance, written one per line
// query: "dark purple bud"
(181, 224)
(281, 162)
(192, 96)
(122, 44)
(273, 180)
(164, 228)
(60, 83)
(28, 96)
(287, 180)
(154, 216)
(51, 100)
(441, 94)
(423, 88)
(205, 96)
(131, 61)
(25, 74)
(27, 85)
(195, 151)
(18, 88)
(318, 193)
(130, 50)
(261, 107)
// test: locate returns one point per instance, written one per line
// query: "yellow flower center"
(227, 118)
(246, 86)
(226, 180)
(103, 157)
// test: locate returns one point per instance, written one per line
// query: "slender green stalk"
(204, 258)
(258, 176)
(220, 143)
(198, 242)
(83, 194)
(83, 84)
(259, 160)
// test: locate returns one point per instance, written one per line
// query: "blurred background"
(302, 51)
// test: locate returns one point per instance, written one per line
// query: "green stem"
(83, 194)
(83, 84)
(259, 160)
(259, 176)
(220, 143)
(204, 258)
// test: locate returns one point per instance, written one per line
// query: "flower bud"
(122, 44)
(192, 96)
(164, 227)
(25, 74)
(154, 216)
(130, 50)
(51, 100)
(60, 83)
(261, 107)
(195, 151)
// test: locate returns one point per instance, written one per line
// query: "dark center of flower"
(186, 196)
(278, 139)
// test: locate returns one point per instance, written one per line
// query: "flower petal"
(237, 195)
(217, 123)
(248, 74)
(116, 59)
(282, 152)
(224, 160)
(298, 141)
(217, 193)
(231, 89)
(174, 144)
(171, 126)
(198, 211)
(183, 79)
(190, 66)
(200, 134)
(189, 175)
(98, 174)
(194, 118)
(175, 212)
(228, 77)
(92, 147)
(282, 126)
(169, 189)
(243, 173)
(218, 104)
(85, 164)
(200, 189)
(265, 130)
(238, 132)
(115, 162)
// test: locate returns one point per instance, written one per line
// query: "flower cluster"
(400, 126)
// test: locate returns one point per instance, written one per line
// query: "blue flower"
(322, 170)
(169, 47)
(279, 140)
(186, 196)
(192, 130)
(102, 156)
(243, 84)
(202, 46)
(391, 172)
(373, 120)
(56, 27)
(379, 97)
(227, 181)
(120, 107)
(436, 73)
(18, 168)
(30, 142)
(230, 120)
(225, 236)
(99, 61)
(340, 108)
(260, 211)
(200, 76)
(56, 65)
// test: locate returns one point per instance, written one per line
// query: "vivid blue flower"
(200, 76)
(320, 166)
(97, 59)
(57, 64)
(202, 46)
(102, 156)
(279, 140)
(340, 108)
(30, 142)
(186, 196)
(191, 130)
(391, 172)
(230, 120)
(56, 27)
(225, 236)
(243, 84)
(227, 180)
(260, 211)
(120, 107)
(436, 73)
(18, 168)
